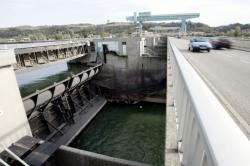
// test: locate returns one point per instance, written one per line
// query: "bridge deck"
(227, 73)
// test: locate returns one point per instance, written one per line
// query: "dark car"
(221, 43)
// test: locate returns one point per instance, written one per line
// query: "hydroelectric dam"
(72, 90)
(134, 101)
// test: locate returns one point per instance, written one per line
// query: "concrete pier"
(14, 123)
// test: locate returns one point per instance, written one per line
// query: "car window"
(199, 40)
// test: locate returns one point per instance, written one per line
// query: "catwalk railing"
(46, 95)
(207, 135)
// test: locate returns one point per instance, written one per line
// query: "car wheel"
(208, 50)
(192, 49)
(188, 48)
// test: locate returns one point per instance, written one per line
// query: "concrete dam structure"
(94, 114)
(137, 71)
(122, 70)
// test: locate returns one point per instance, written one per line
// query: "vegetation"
(236, 30)
(60, 32)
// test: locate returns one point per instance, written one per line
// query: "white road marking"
(244, 61)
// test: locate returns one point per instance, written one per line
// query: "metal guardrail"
(13, 155)
(45, 95)
(149, 52)
(207, 135)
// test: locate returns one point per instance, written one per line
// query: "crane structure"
(146, 16)
(165, 29)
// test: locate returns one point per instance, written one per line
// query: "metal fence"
(46, 95)
(207, 135)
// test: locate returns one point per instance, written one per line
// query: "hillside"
(59, 32)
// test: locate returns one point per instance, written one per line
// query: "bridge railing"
(207, 135)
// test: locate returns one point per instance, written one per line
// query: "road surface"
(227, 72)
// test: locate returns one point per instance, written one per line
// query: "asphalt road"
(227, 72)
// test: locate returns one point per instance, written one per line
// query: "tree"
(237, 31)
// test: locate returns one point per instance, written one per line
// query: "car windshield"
(198, 40)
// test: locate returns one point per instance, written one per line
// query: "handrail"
(150, 52)
(206, 132)
(3, 162)
(13, 155)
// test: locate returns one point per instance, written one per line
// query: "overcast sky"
(56, 12)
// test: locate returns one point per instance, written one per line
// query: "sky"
(59, 12)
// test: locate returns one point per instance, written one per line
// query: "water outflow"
(38, 79)
(133, 132)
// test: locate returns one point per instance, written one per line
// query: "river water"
(132, 132)
(37, 79)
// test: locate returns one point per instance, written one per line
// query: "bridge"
(146, 16)
(226, 73)
(207, 108)
(209, 132)
(31, 55)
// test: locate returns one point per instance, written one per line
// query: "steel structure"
(160, 28)
(146, 16)
(32, 56)
(43, 97)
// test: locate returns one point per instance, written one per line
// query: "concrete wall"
(114, 44)
(241, 44)
(133, 71)
(75, 157)
(13, 120)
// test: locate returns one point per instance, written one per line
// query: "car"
(198, 44)
(221, 43)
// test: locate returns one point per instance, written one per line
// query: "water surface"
(38, 79)
(127, 132)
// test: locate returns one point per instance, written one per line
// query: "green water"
(127, 132)
(38, 79)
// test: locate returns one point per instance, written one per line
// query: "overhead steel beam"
(146, 16)
(164, 17)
